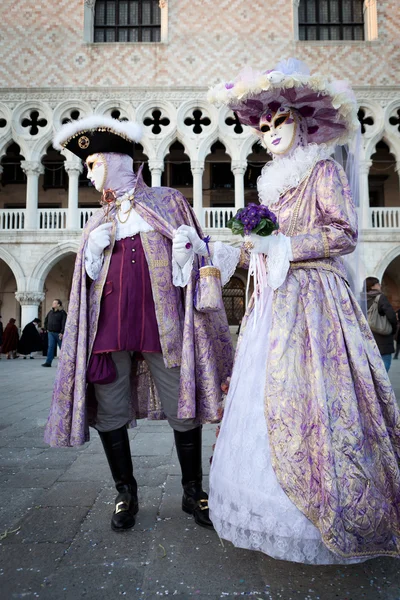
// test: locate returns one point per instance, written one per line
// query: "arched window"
(127, 21)
(331, 20)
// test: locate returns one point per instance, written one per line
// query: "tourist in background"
(54, 324)
(385, 343)
(30, 341)
(10, 339)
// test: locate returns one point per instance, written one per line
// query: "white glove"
(182, 248)
(198, 245)
(99, 239)
(261, 244)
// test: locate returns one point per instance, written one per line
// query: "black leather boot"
(118, 452)
(194, 500)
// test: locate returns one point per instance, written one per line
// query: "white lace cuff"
(278, 260)
(226, 259)
(181, 275)
(93, 263)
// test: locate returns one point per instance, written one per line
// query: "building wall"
(52, 68)
(206, 41)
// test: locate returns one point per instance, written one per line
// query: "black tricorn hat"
(98, 134)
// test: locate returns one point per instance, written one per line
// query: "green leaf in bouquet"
(236, 226)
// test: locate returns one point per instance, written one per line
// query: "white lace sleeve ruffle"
(278, 260)
(226, 259)
(93, 263)
(181, 275)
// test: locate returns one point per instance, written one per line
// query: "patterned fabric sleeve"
(337, 233)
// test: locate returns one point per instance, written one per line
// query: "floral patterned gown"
(306, 466)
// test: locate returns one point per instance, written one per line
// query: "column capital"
(397, 167)
(29, 298)
(90, 3)
(364, 166)
(72, 166)
(32, 167)
(239, 167)
(197, 167)
(156, 165)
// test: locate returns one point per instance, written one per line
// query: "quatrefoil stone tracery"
(197, 121)
(156, 122)
(34, 122)
(395, 119)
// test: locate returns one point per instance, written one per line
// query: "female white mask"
(281, 130)
(97, 170)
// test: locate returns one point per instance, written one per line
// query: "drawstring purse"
(208, 290)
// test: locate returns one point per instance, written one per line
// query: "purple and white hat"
(329, 107)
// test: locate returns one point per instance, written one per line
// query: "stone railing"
(52, 218)
(385, 218)
(84, 215)
(12, 219)
(217, 218)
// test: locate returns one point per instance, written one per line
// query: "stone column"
(33, 170)
(239, 169)
(197, 172)
(156, 168)
(74, 169)
(295, 21)
(29, 302)
(364, 209)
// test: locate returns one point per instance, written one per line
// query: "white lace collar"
(134, 223)
(283, 173)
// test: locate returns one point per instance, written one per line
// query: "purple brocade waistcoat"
(127, 318)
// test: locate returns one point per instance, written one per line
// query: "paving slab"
(55, 508)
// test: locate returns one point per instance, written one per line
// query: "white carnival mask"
(97, 170)
(278, 130)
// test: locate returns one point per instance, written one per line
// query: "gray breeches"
(113, 399)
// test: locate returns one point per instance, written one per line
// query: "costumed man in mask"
(307, 463)
(133, 345)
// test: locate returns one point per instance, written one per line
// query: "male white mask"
(280, 130)
(97, 170)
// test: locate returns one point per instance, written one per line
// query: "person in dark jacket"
(384, 342)
(54, 324)
(30, 341)
(10, 339)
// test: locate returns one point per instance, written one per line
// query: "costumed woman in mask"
(306, 465)
(133, 346)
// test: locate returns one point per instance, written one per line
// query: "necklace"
(128, 212)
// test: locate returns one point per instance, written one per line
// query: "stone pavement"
(56, 542)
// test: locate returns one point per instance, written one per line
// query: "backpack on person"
(378, 323)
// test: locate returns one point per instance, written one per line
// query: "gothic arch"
(47, 262)
(14, 266)
(385, 262)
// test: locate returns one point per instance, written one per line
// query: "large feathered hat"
(98, 134)
(328, 106)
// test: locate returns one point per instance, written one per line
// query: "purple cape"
(197, 342)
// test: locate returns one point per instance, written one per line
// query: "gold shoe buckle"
(203, 504)
(121, 507)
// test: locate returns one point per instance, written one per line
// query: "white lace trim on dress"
(286, 172)
(278, 260)
(226, 259)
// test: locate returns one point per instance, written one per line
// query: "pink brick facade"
(43, 46)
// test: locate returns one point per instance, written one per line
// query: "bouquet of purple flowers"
(254, 218)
